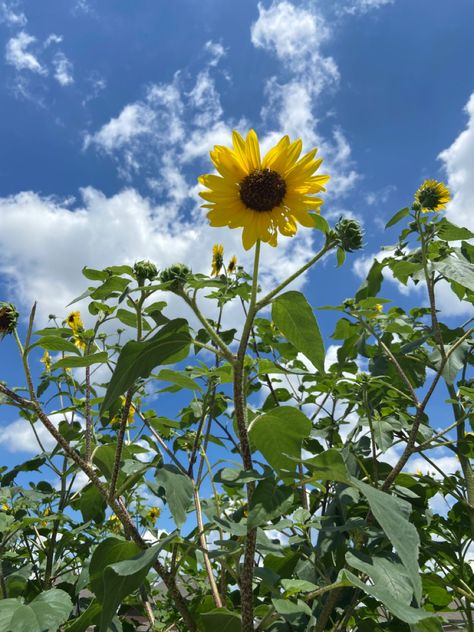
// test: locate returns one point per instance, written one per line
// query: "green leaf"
(88, 618)
(178, 378)
(328, 466)
(321, 224)
(390, 512)
(279, 435)
(450, 232)
(397, 217)
(92, 505)
(48, 611)
(294, 317)
(340, 256)
(130, 318)
(269, 501)
(138, 359)
(108, 552)
(56, 343)
(122, 578)
(221, 620)
(94, 275)
(179, 491)
(372, 284)
(72, 362)
(293, 586)
(455, 361)
(456, 269)
(112, 286)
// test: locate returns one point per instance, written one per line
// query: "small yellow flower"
(378, 308)
(79, 343)
(217, 259)
(46, 360)
(154, 513)
(263, 196)
(114, 524)
(5, 507)
(131, 413)
(74, 321)
(46, 513)
(419, 472)
(432, 196)
(232, 267)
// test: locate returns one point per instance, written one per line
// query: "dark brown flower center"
(5, 319)
(262, 190)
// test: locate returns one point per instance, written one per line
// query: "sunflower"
(217, 259)
(74, 321)
(232, 266)
(154, 513)
(116, 419)
(432, 196)
(262, 196)
(46, 360)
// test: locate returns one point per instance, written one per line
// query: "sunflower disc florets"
(8, 318)
(349, 234)
(176, 275)
(145, 271)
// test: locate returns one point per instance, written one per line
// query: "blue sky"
(109, 109)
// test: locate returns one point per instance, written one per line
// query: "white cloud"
(9, 16)
(44, 262)
(459, 165)
(133, 121)
(18, 55)
(363, 6)
(19, 436)
(62, 69)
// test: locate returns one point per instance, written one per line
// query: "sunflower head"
(232, 266)
(8, 318)
(217, 259)
(349, 234)
(154, 513)
(263, 196)
(432, 196)
(176, 275)
(74, 321)
(145, 271)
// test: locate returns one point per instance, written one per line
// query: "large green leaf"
(45, 613)
(92, 504)
(455, 362)
(56, 343)
(108, 552)
(122, 578)
(279, 435)
(328, 466)
(88, 617)
(269, 501)
(178, 490)
(372, 284)
(221, 620)
(450, 232)
(178, 378)
(391, 514)
(397, 217)
(73, 362)
(293, 316)
(456, 269)
(138, 359)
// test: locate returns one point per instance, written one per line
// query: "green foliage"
(176, 477)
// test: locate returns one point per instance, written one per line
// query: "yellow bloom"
(378, 308)
(419, 472)
(217, 259)
(432, 196)
(262, 196)
(131, 413)
(154, 513)
(114, 524)
(5, 507)
(46, 360)
(80, 344)
(231, 268)
(46, 513)
(74, 321)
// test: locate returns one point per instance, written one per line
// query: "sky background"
(109, 110)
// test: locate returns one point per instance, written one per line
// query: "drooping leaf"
(293, 316)
(391, 514)
(179, 491)
(138, 359)
(328, 466)
(92, 504)
(372, 284)
(56, 343)
(455, 362)
(181, 380)
(456, 269)
(278, 433)
(109, 551)
(450, 232)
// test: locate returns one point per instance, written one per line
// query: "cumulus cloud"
(458, 162)
(44, 262)
(21, 436)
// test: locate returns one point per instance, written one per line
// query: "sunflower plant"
(209, 475)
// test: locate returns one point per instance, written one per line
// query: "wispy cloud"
(10, 15)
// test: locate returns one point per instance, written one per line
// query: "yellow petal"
(252, 151)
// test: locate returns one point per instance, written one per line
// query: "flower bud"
(8, 318)
(349, 234)
(176, 275)
(145, 271)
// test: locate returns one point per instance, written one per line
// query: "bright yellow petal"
(273, 154)
(252, 151)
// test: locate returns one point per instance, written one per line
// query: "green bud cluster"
(145, 271)
(176, 275)
(349, 234)
(8, 318)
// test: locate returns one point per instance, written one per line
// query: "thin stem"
(120, 437)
